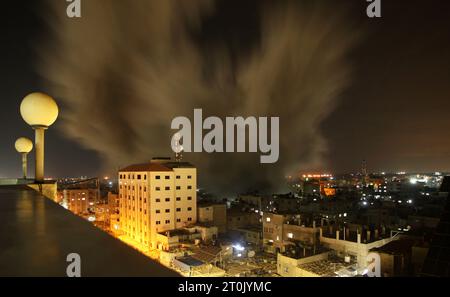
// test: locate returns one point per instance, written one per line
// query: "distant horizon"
(374, 101)
(112, 177)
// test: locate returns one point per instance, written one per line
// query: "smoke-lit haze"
(127, 68)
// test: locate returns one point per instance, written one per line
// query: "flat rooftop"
(38, 234)
(188, 260)
(176, 232)
(325, 268)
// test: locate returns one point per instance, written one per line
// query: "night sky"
(394, 114)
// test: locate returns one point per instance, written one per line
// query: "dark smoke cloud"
(126, 68)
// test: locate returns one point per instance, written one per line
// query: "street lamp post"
(39, 111)
(24, 146)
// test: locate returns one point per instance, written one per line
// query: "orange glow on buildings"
(156, 197)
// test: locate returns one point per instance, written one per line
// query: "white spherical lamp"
(39, 111)
(24, 146)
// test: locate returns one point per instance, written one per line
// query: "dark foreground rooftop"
(36, 235)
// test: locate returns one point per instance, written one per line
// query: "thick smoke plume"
(126, 68)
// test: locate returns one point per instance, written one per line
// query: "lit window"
(267, 219)
(290, 235)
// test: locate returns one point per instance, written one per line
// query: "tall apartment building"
(155, 197)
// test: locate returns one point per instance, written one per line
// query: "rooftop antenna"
(178, 148)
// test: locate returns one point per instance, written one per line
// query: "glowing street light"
(39, 111)
(24, 146)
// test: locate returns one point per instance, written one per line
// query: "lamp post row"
(39, 111)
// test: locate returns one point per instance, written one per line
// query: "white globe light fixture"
(24, 146)
(39, 111)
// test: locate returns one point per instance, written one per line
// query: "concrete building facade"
(155, 197)
(214, 214)
(80, 201)
(282, 230)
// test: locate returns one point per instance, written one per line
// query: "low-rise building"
(237, 218)
(355, 249)
(81, 201)
(283, 230)
(399, 257)
(197, 234)
(114, 208)
(214, 214)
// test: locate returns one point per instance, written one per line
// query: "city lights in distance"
(317, 175)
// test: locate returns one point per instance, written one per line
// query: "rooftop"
(325, 268)
(176, 232)
(38, 234)
(206, 254)
(157, 166)
(188, 260)
(145, 167)
(400, 246)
